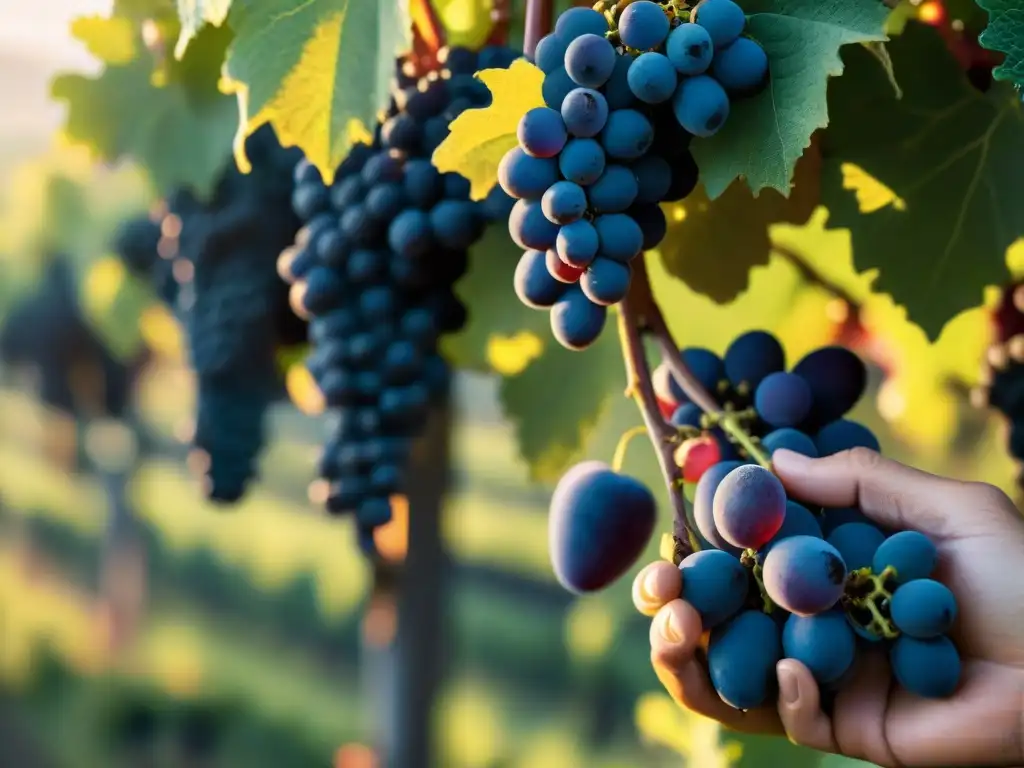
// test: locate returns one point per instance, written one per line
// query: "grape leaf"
(553, 423)
(112, 41)
(953, 158)
(318, 71)
(194, 14)
(479, 138)
(712, 245)
(166, 115)
(1005, 34)
(765, 135)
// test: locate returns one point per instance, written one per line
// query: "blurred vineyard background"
(250, 637)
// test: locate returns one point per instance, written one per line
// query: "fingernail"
(789, 689)
(789, 459)
(649, 587)
(669, 631)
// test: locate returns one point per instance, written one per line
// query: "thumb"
(893, 495)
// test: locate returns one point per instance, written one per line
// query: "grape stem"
(620, 450)
(633, 314)
(540, 16)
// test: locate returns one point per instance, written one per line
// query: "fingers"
(859, 718)
(656, 585)
(893, 495)
(800, 708)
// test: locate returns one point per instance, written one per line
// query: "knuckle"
(989, 497)
(863, 459)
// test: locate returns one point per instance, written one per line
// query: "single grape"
(576, 321)
(652, 78)
(558, 269)
(386, 201)
(685, 176)
(790, 439)
(550, 53)
(696, 456)
(577, 244)
(324, 289)
(782, 399)
(701, 105)
(616, 91)
(557, 85)
(402, 132)
(703, 505)
(457, 224)
(723, 19)
(627, 135)
(643, 25)
(599, 524)
(564, 202)
(911, 554)
(690, 49)
(410, 234)
(542, 132)
(458, 60)
(584, 112)
(534, 285)
(687, 415)
(798, 522)
(526, 177)
(310, 199)
(654, 177)
(715, 584)
(652, 222)
(832, 518)
(332, 249)
(804, 575)
(824, 643)
(590, 60)
(606, 282)
(843, 434)
(615, 191)
(706, 367)
(582, 161)
(576, 22)
(837, 378)
(741, 66)
(923, 608)
(926, 668)
(857, 543)
(742, 654)
(530, 228)
(619, 236)
(423, 183)
(346, 192)
(749, 506)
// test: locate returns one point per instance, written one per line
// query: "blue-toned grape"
(643, 25)
(652, 78)
(525, 177)
(703, 505)
(590, 60)
(558, 269)
(542, 132)
(926, 668)
(577, 244)
(685, 175)
(458, 60)
(749, 506)
(832, 518)
(857, 543)
(324, 290)
(456, 186)
(497, 57)
(923, 608)
(742, 654)
(707, 368)
(751, 357)
(783, 399)
(837, 378)
(410, 234)
(577, 22)
(423, 183)
(687, 415)
(690, 49)
(652, 222)
(530, 228)
(534, 285)
(615, 191)
(741, 66)
(627, 135)
(332, 249)
(619, 236)
(790, 439)
(606, 282)
(716, 584)
(346, 191)
(358, 227)
(564, 202)
(557, 85)
(576, 321)
(498, 204)
(402, 132)
(550, 53)
(799, 521)
(843, 434)
(911, 554)
(653, 176)
(457, 224)
(723, 19)
(385, 201)
(701, 105)
(582, 161)
(584, 112)
(383, 167)
(616, 91)
(824, 643)
(804, 575)
(310, 199)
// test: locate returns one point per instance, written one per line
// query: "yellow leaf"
(467, 23)
(479, 138)
(509, 355)
(872, 195)
(110, 40)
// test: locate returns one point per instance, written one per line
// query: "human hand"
(980, 538)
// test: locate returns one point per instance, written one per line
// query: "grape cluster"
(625, 92)
(374, 268)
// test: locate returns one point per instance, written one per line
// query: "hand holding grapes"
(980, 539)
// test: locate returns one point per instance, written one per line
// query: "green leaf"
(194, 14)
(319, 71)
(712, 245)
(557, 401)
(947, 162)
(168, 116)
(765, 135)
(1005, 34)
